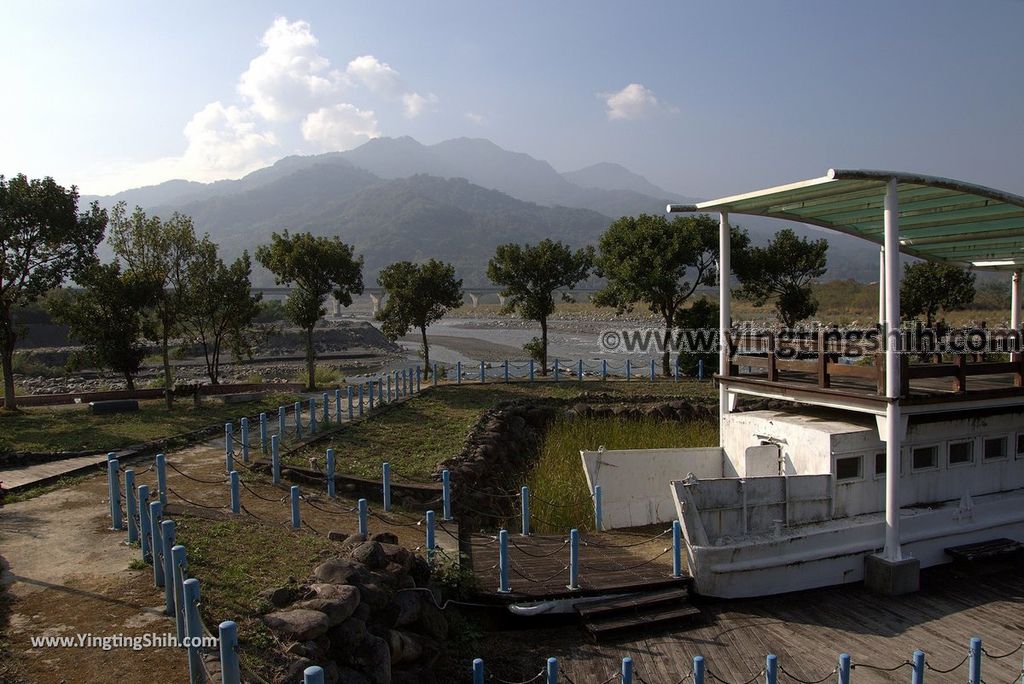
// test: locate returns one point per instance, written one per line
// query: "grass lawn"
(54, 429)
(417, 435)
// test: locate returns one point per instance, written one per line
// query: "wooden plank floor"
(539, 566)
(806, 631)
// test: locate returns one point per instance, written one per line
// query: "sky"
(703, 98)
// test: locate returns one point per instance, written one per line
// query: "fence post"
(506, 371)
(390, 398)
(349, 393)
(180, 562)
(430, 536)
(114, 490)
(327, 409)
(296, 520)
(675, 370)
(385, 477)
(229, 447)
(144, 525)
(130, 505)
(458, 372)
(330, 473)
(314, 674)
(363, 528)
(230, 672)
(627, 670)
(524, 506)
(531, 370)
(298, 419)
(263, 432)
(167, 541)
(698, 669)
(974, 662)
(275, 459)
(700, 369)
(574, 559)
(446, 495)
(161, 478)
(337, 405)
(604, 369)
(677, 549)
(370, 387)
(245, 440)
(579, 370)
(503, 587)
(236, 500)
(312, 416)
(771, 669)
(193, 629)
(436, 380)
(917, 673)
(597, 508)
(552, 671)
(156, 510)
(482, 372)
(557, 369)
(629, 370)
(361, 392)
(478, 671)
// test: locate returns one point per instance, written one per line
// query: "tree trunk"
(168, 390)
(426, 351)
(666, 354)
(7, 354)
(310, 360)
(544, 346)
(129, 381)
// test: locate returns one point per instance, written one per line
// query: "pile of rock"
(364, 617)
(674, 410)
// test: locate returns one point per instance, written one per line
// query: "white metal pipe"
(724, 309)
(1015, 301)
(893, 448)
(881, 285)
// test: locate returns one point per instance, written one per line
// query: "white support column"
(893, 447)
(881, 286)
(724, 309)
(1015, 301)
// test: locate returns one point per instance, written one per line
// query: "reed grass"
(559, 497)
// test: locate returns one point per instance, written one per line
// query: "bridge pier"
(501, 300)
(474, 299)
(378, 301)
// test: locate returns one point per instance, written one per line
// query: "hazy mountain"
(608, 176)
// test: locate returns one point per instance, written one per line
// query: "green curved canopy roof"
(940, 219)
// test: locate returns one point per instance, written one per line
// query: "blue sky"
(704, 99)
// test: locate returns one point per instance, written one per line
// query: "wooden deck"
(539, 566)
(806, 631)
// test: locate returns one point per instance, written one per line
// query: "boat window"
(961, 452)
(880, 461)
(995, 447)
(1020, 445)
(925, 457)
(848, 468)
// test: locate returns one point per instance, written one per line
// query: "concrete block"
(892, 578)
(98, 408)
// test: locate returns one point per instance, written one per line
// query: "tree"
(107, 316)
(697, 342)
(159, 251)
(784, 270)
(651, 260)
(928, 286)
(220, 306)
(43, 241)
(529, 276)
(317, 267)
(417, 295)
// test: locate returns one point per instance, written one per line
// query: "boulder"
(297, 624)
(279, 597)
(432, 621)
(337, 536)
(408, 603)
(336, 609)
(370, 554)
(338, 571)
(385, 538)
(376, 660)
(346, 639)
(405, 647)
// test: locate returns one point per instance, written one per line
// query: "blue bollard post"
(263, 433)
(506, 371)
(111, 490)
(604, 369)
(167, 539)
(700, 369)
(436, 376)
(524, 509)
(552, 671)
(156, 539)
(406, 382)
(385, 479)
(296, 520)
(312, 416)
(144, 525)
(281, 421)
(597, 509)
(229, 447)
(419, 372)
(458, 372)
(558, 369)
(390, 399)
(275, 459)
(297, 409)
(363, 527)
(361, 395)
(653, 375)
(579, 370)
(916, 676)
(349, 392)
(371, 393)
(330, 473)
(677, 549)
(327, 412)
(698, 669)
(771, 669)
(446, 495)
(574, 559)
(180, 561)
(430, 536)
(161, 478)
(337, 405)
(478, 671)
(130, 505)
(482, 372)
(314, 674)
(230, 671)
(974, 662)
(627, 670)
(114, 486)
(629, 370)
(531, 370)
(193, 628)
(236, 499)
(503, 586)
(245, 439)
(675, 370)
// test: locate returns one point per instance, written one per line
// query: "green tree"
(928, 286)
(651, 260)
(417, 295)
(160, 251)
(695, 324)
(107, 316)
(43, 241)
(784, 270)
(220, 306)
(529, 275)
(315, 267)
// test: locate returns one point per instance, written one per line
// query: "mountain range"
(395, 198)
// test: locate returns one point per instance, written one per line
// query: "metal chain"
(565, 542)
(587, 542)
(955, 667)
(193, 503)
(525, 681)
(807, 681)
(712, 675)
(195, 479)
(905, 663)
(1005, 655)
(625, 567)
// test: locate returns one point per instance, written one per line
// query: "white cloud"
(381, 79)
(474, 118)
(632, 102)
(225, 141)
(290, 77)
(340, 127)
(415, 104)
